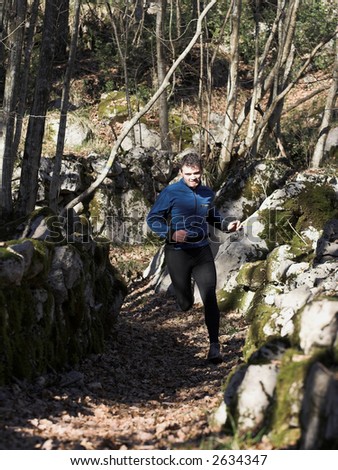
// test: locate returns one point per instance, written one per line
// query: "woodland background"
(176, 63)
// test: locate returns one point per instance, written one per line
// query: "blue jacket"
(178, 207)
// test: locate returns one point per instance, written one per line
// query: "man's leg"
(204, 273)
(179, 267)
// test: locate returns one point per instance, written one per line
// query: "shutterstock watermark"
(273, 226)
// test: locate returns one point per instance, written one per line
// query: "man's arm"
(224, 224)
(157, 219)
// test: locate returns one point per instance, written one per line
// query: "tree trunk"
(24, 76)
(14, 43)
(161, 73)
(32, 153)
(230, 116)
(2, 117)
(123, 54)
(327, 116)
(55, 183)
(62, 32)
(283, 68)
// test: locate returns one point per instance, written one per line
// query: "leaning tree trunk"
(14, 42)
(36, 126)
(327, 116)
(55, 183)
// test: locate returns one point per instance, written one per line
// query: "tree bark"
(62, 32)
(161, 72)
(123, 54)
(318, 153)
(230, 116)
(14, 43)
(55, 183)
(32, 153)
(24, 77)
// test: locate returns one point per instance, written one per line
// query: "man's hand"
(234, 226)
(179, 236)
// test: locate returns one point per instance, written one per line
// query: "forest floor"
(151, 388)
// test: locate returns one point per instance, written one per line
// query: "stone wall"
(58, 299)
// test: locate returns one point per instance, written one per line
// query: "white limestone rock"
(254, 395)
(318, 325)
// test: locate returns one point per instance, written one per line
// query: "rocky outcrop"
(282, 274)
(59, 296)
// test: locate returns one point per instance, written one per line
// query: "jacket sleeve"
(157, 219)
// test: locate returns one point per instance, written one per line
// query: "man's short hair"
(191, 159)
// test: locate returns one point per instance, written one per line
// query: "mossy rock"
(311, 207)
(278, 225)
(11, 267)
(236, 300)
(114, 106)
(314, 206)
(252, 275)
(182, 133)
(259, 315)
(285, 423)
(23, 337)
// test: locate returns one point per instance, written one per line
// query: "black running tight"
(199, 264)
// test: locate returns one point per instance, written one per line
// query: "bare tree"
(33, 146)
(161, 72)
(14, 41)
(32, 16)
(55, 183)
(230, 114)
(273, 80)
(327, 115)
(121, 36)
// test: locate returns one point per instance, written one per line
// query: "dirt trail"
(151, 389)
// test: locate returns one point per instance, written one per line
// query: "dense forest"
(175, 62)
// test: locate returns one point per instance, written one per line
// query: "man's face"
(191, 175)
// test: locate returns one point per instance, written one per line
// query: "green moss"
(259, 315)
(315, 205)
(95, 206)
(277, 227)
(256, 337)
(252, 190)
(182, 133)
(252, 275)
(229, 301)
(285, 422)
(114, 105)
